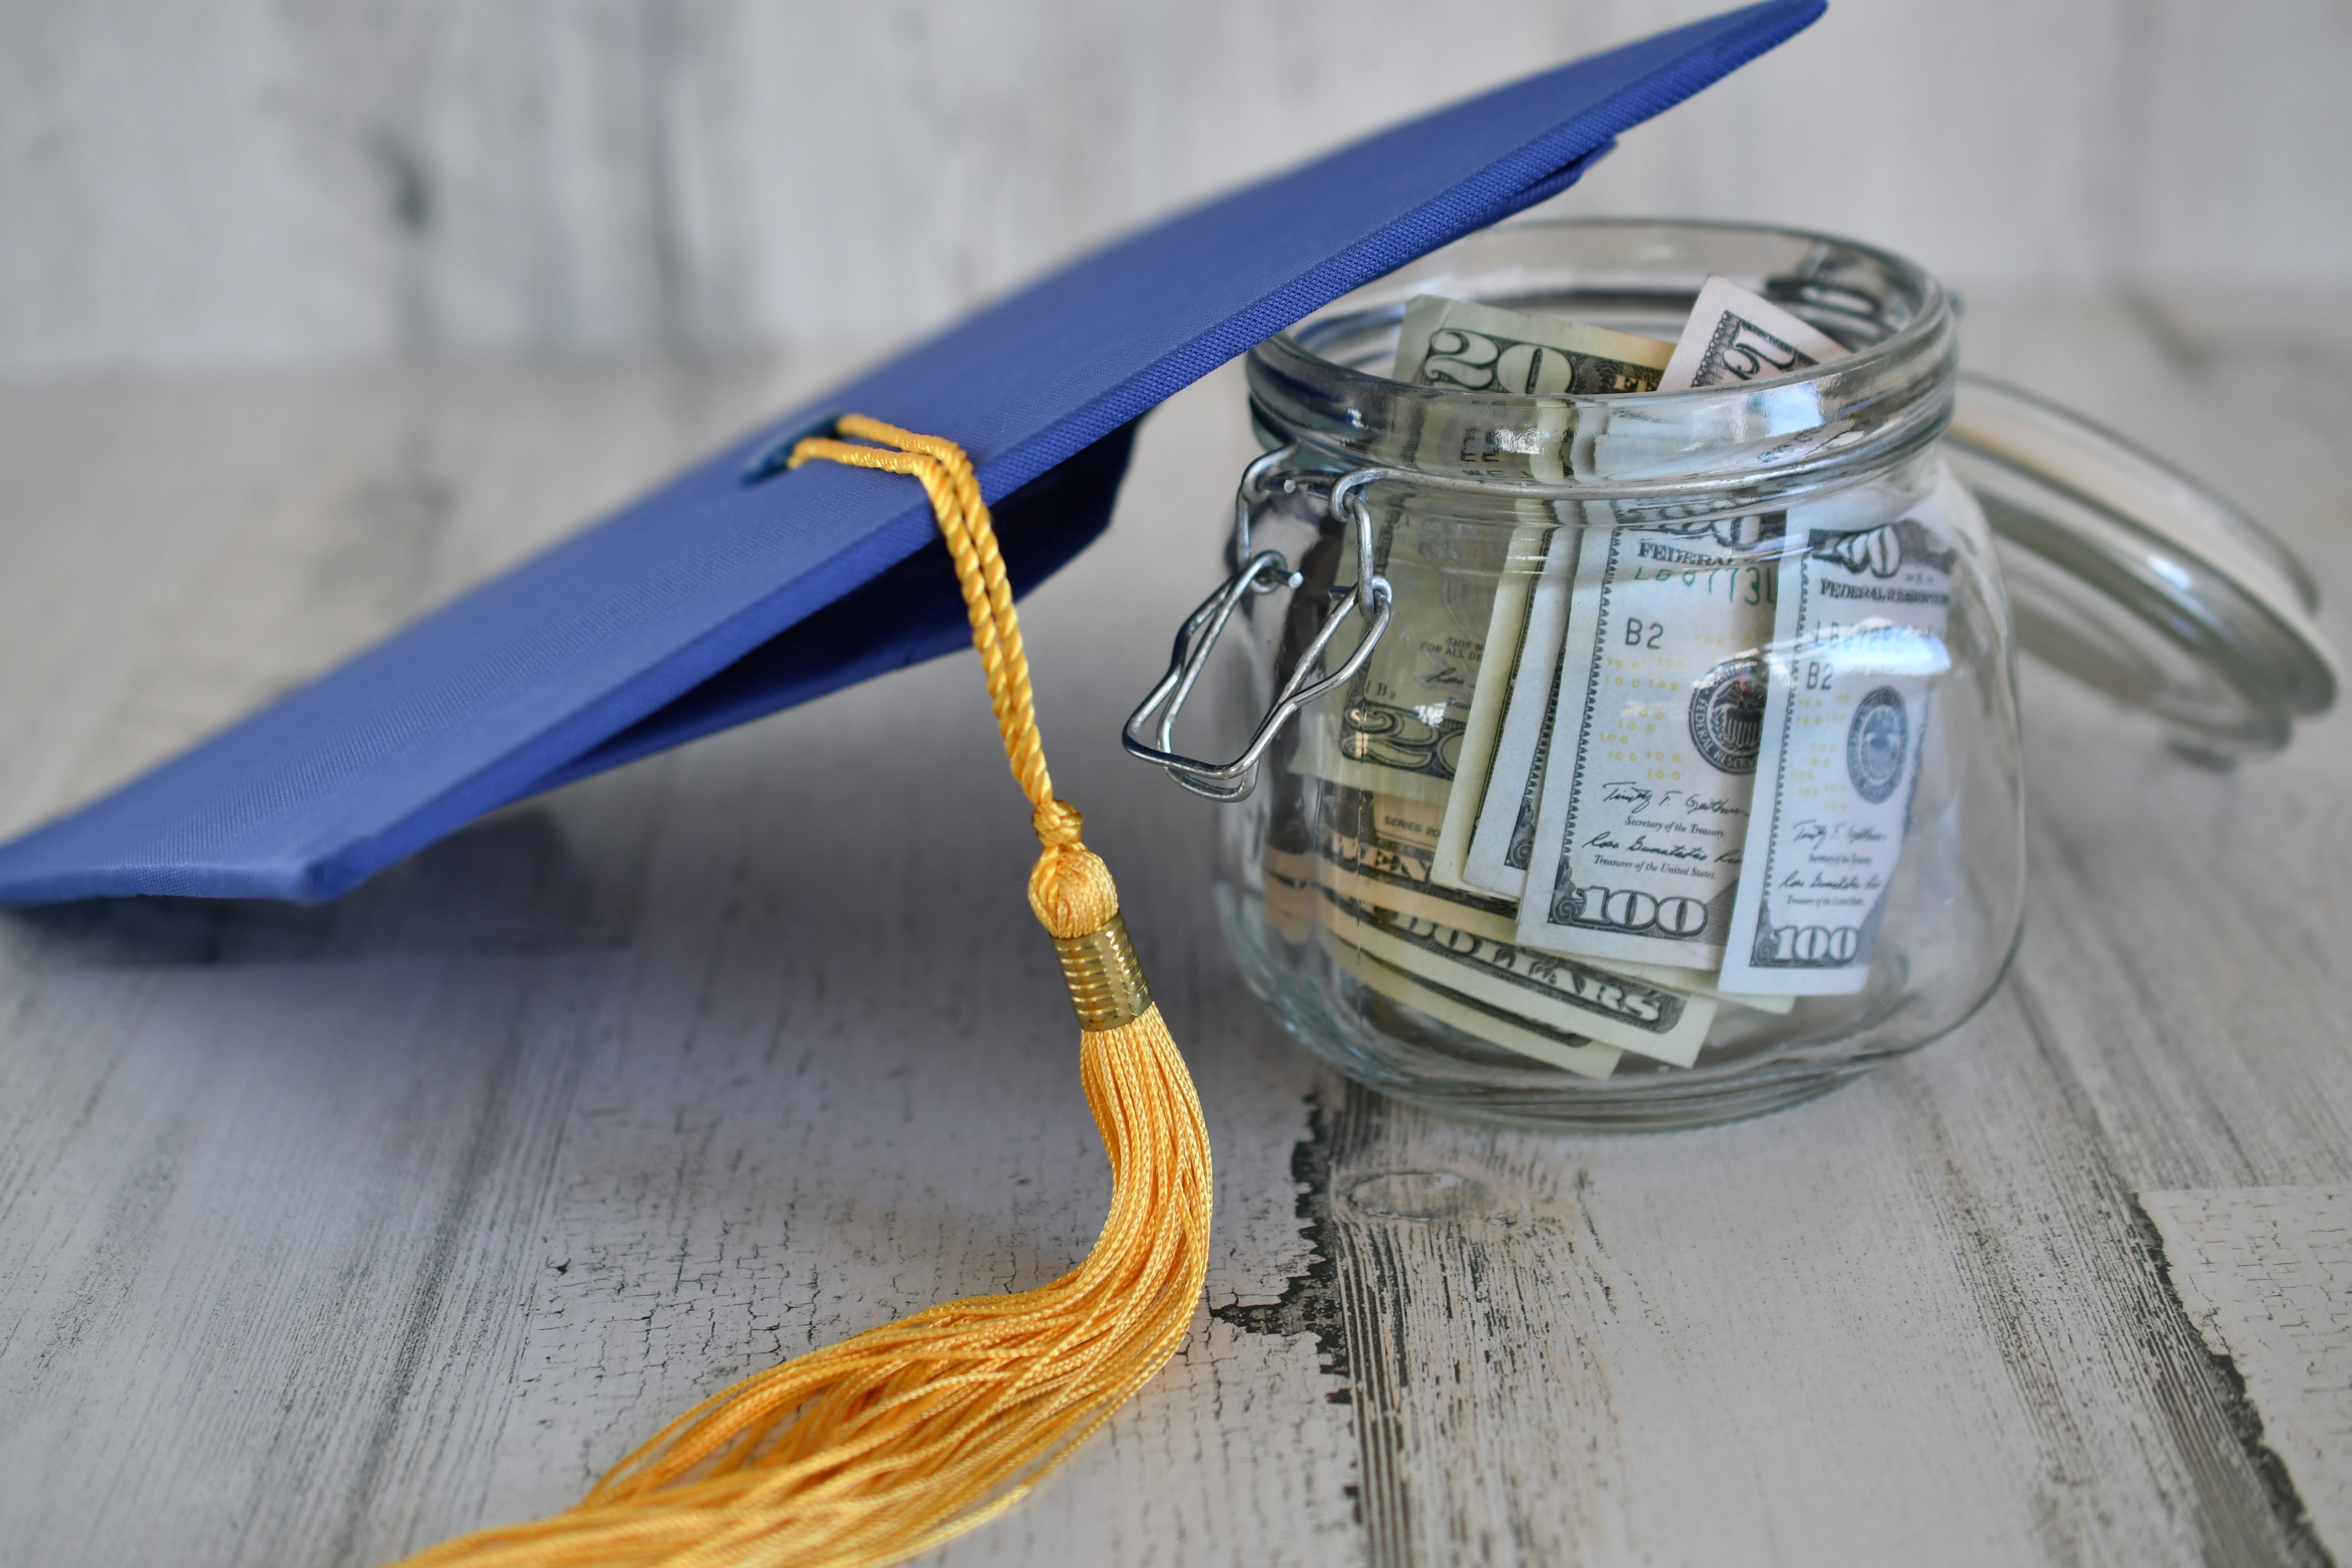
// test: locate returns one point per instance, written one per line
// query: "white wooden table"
(326, 1233)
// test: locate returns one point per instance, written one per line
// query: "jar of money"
(1631, 723)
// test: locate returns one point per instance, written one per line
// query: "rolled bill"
(1475, 1019)
(1378, 851)
(1523, 618)
(1559, 994)
(1501, 822)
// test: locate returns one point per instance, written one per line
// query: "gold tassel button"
(1106, 980)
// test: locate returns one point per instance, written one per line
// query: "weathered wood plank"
(324, 1233)
(243, 1285)
(2266, 1274)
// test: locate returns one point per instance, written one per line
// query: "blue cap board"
(739, 588)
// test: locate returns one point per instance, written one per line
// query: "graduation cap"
(737, 588)
(801, 561)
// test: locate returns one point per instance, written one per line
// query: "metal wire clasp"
(1262, 573)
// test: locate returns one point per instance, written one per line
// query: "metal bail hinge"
(1261, 573)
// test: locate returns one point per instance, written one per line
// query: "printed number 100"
(1814, 944)
(1625, 909)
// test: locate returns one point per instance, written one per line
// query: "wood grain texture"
(324, 1233)
(2266, 1274)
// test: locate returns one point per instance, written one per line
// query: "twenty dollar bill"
(1484, 348)
(1401, 727)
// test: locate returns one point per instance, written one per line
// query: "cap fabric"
(739, 588)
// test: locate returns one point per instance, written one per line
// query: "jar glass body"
(1528, 917)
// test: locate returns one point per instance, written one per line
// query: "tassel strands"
(900, 1438)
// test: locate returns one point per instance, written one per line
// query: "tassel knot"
(1056, 822)
(1071, 892)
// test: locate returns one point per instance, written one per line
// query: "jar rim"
(1859, 413)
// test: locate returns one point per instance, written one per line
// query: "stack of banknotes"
(1631, 771)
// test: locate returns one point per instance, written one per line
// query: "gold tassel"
(904, 1436)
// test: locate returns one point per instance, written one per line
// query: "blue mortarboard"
(737, 588)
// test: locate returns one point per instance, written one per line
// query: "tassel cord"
(900, 1438)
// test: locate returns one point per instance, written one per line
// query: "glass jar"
(1644, 761)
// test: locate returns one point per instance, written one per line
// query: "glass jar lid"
(2139, 581)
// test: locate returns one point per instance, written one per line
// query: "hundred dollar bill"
(1555, 992)
(1513, 1033)
(1857, 640)
(1502, 820)
(1527, 618)
(1380, 850)
(1643, 816)
(1731, 334)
